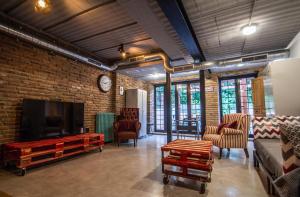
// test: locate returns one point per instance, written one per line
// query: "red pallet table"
(27, 154)
(190, 159)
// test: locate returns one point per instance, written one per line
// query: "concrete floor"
(129, 171)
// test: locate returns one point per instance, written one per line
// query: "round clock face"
(104, 83)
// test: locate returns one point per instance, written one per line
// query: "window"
(246, 95)
(185, 101)
(195, 101)
(173, 101)
(236, 96)
(182, 101)
(159, 108)
(228, 93)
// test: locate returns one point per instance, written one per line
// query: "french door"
(236, 96)
(185, 102)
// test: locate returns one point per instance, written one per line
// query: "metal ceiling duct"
(245, 60)
(55, 48)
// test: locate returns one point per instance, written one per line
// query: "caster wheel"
(22, 172)
(202, 188)
(166, 180)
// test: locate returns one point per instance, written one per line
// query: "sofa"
(273, 151)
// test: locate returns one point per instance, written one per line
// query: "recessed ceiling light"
(249, 29)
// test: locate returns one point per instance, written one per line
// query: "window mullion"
(238, 97)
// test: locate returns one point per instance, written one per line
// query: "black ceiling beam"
(176, 14)
(78, 14)
(104, 32)
(126, 43)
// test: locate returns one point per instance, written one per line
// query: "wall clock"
(104, 83)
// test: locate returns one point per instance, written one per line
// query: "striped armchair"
(230, 138)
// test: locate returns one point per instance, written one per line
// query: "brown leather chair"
(129, 113)
(127, 129)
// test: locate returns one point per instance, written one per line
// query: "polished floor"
(128, 171)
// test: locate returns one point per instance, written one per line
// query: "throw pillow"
(268, 127)
(290, 140)
(220, 127)
(232, 125)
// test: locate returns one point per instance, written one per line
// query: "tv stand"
(27, 154)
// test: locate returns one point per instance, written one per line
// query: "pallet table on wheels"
(190, 159)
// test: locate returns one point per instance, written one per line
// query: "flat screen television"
(43, 119)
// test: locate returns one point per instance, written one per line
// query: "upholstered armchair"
(127, 129)
(228, 137)
(129, 113)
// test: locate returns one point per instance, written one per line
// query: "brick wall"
(30, 72)
(127, 83)
(212, 100)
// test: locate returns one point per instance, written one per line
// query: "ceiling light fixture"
(42, 6)
(249, 29)
(122, 51)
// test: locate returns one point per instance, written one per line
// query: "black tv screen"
(49, 119)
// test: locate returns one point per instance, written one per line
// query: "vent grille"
(254, 58)
(136, 59)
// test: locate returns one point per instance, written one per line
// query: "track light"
(43, 6)
(122, 51)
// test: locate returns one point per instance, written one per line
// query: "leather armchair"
(127, 129)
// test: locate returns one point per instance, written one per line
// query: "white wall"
(285, 79)
(294, 47)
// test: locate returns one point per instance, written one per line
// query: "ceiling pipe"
(244, 60)
(55, 48)
(148, 58)
(270, 56)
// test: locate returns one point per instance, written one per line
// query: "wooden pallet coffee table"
(190, 159)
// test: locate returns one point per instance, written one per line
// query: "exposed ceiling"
(217, 24)
(100, 26)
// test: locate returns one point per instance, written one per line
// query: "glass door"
(195, 100)
(236, 96)
(182, 101)
(173, 102)
(228, 95)
(159, 108)
(185, 103)
(246, 96)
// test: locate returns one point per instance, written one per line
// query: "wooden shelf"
(27, 154)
